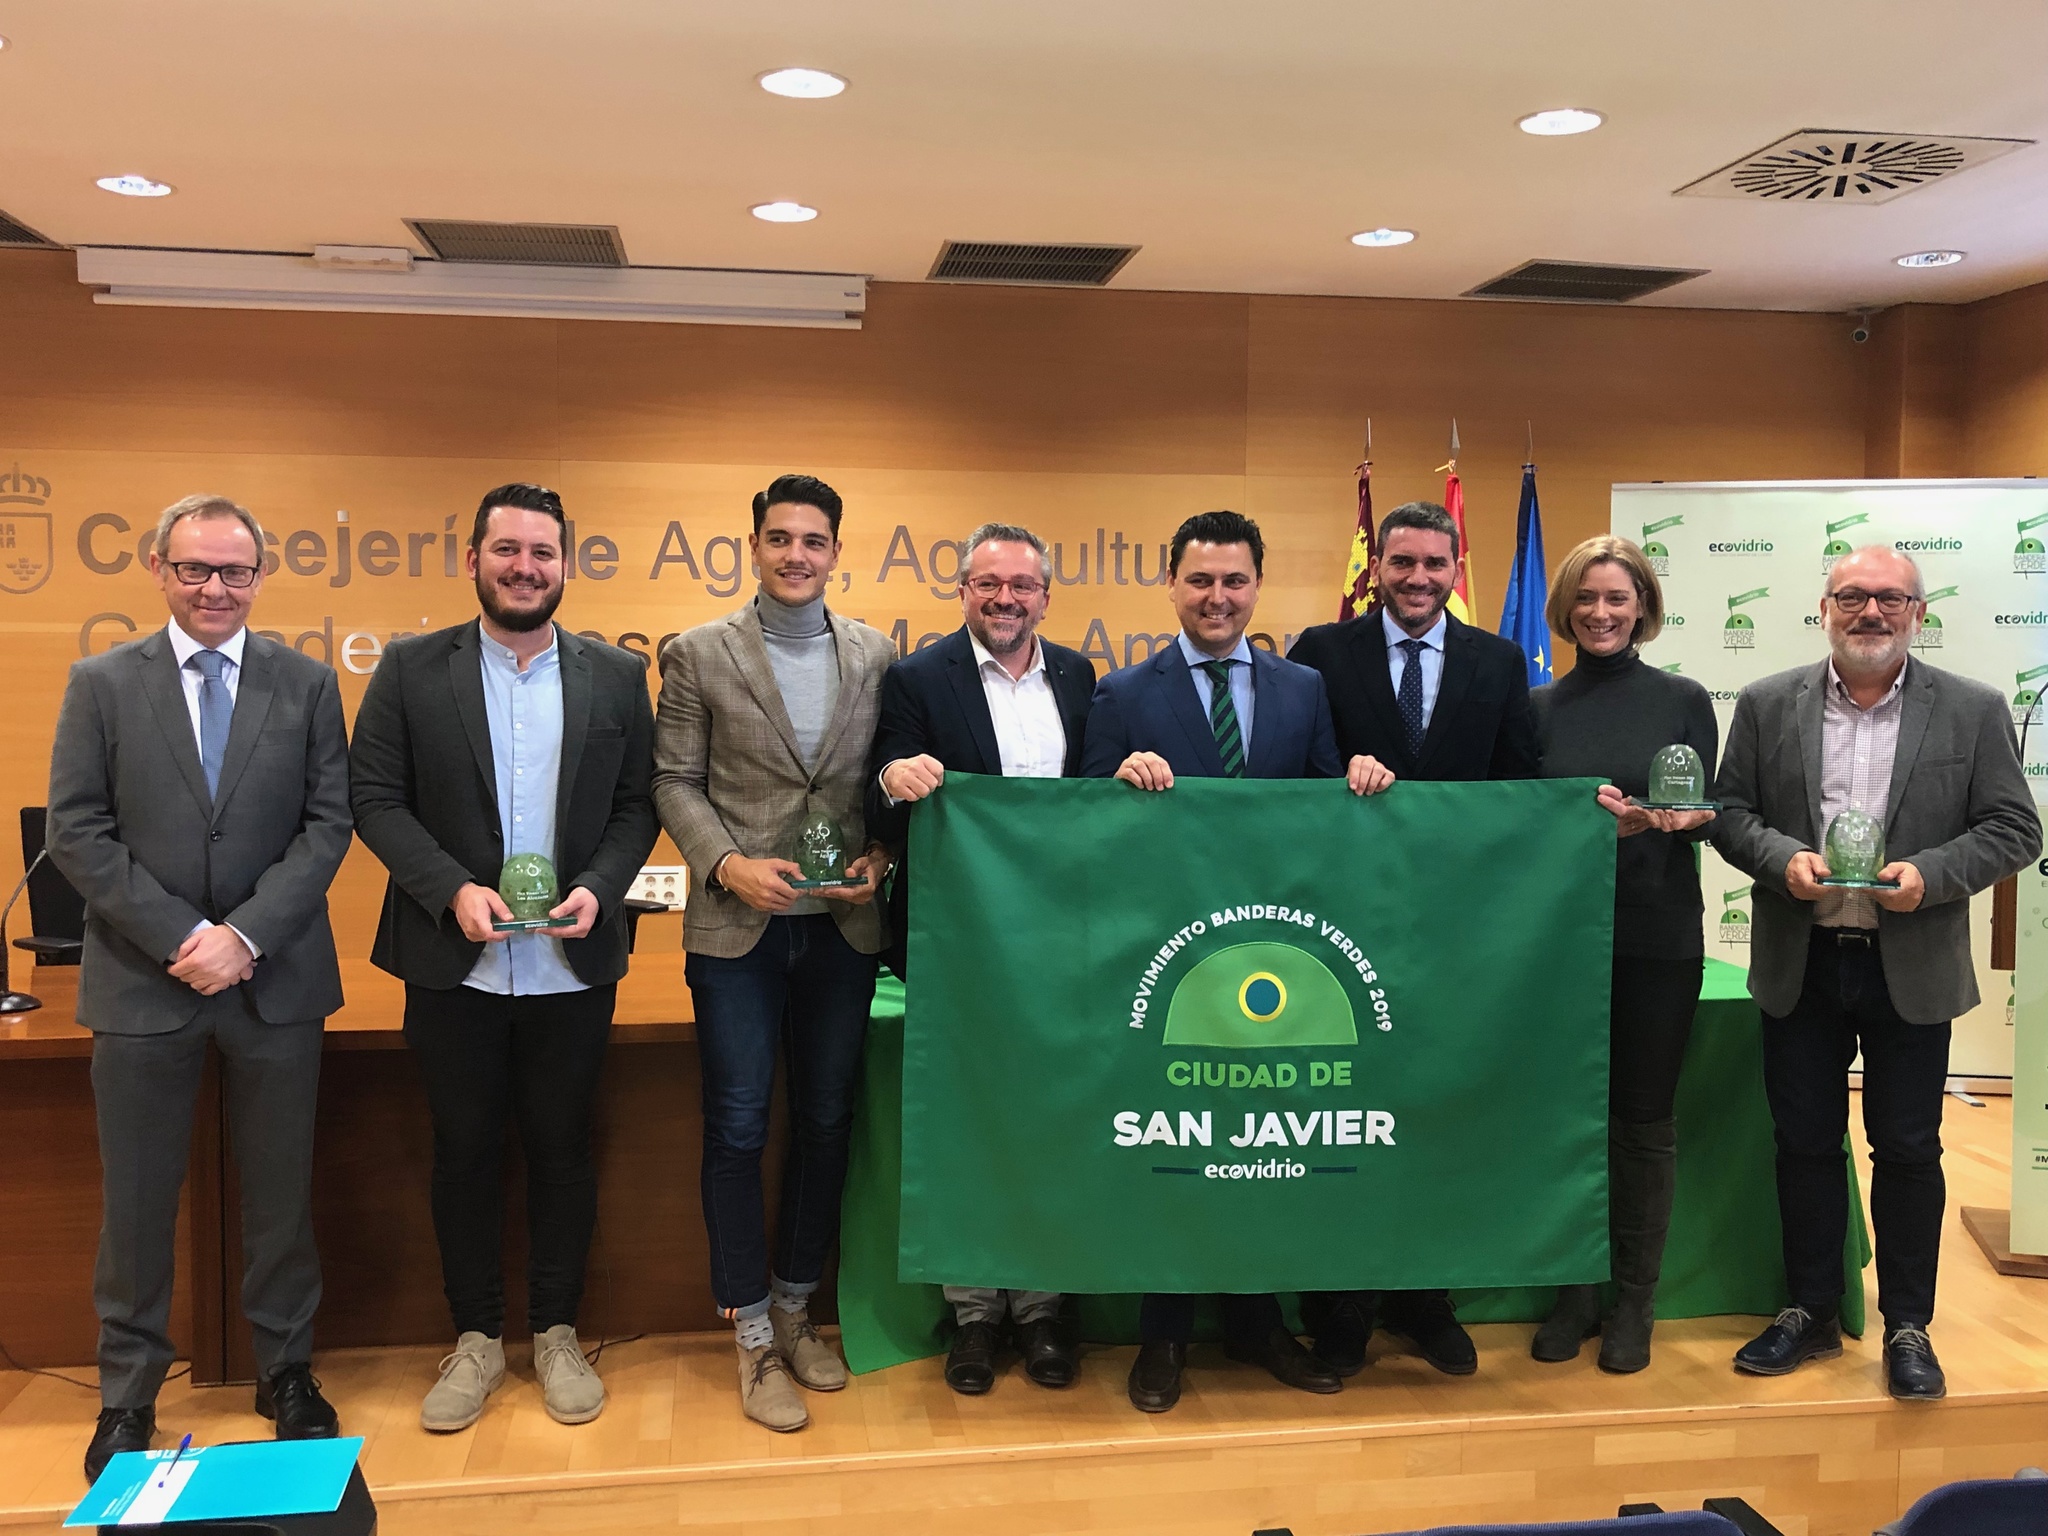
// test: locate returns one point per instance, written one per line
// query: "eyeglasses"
(1855, 599)
(1026, 587)
(197, 573)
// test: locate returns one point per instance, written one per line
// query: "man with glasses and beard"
(1933, 758)
(993, 697)
(508, 735)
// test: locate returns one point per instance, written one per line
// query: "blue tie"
(1410, 697)
(216, 713)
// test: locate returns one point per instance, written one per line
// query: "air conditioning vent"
(14, 232)
(1061, 266)
(1573, 282)
(535, 245)
(1831, 165)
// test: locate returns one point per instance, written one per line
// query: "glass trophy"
(1678, 781)
(1854, 849)
(527, 884)
(820, 852)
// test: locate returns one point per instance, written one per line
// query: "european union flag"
(1521, 615)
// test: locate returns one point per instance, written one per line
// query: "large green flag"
(1257, 1035)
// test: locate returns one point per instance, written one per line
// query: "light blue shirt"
(1432, 659)
(525, 713)
(1243, 696)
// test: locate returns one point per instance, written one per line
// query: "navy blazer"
(1153, 707)
(933, 703)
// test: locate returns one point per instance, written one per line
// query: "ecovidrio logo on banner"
(2026, 699)
(1739, 632)
(1837, 546)
(1657, 553)
(27, 544)
(1261, 998)
(1930, 636)
(2030, 555)
(1735, 921)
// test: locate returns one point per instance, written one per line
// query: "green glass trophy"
(1854, 849)
(820, 852)
(1678, 781)
(527, 884)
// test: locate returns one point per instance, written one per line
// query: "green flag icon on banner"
(1257, 1035)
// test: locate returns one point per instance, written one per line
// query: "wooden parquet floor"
(1820, 1452)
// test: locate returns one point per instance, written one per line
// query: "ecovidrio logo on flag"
(1735, 921)
(1738, 633)
(2030, 555)
(1930, 636)
(1837, 546)
(1658, 553)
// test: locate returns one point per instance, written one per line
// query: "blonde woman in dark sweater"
(1606, 719)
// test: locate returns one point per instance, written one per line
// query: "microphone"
(12, 1001)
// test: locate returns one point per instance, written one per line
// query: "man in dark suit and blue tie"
(199, 803)
(1211, 706)
(1416, 694)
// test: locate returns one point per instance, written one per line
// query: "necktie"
(1410, 697)
(1223, 719)
(216, 713)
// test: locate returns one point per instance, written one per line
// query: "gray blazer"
(727, 777)
(132, 827)
(1960, 810)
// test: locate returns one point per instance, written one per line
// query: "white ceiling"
(1240, 142)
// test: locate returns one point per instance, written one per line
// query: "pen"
(165, 1476)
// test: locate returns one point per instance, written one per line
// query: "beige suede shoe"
(767, 1396)
(468, 1376)
(569, 1388)
(811, 1360)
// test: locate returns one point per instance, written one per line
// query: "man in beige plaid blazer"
(765, 722)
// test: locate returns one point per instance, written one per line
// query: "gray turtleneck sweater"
(806, 666)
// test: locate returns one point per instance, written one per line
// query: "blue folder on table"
(221, 1482)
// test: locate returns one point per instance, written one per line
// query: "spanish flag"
(1460, 604)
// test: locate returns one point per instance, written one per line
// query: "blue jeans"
(805, 989)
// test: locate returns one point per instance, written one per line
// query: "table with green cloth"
(1723, 1255)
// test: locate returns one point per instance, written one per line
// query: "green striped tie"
(1223, 719)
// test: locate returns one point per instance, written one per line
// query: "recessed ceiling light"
(3, 43)
(1560, 121)
(784, 213)
(1375, 237)
(1930, 259)
(804, 84)
(134, 186)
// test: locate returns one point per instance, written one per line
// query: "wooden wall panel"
(2006, 374)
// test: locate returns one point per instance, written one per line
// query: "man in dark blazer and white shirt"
(502, 736)
(199, 803)
(1932, 757)
(993, 697)
(1416, 694)
(1211, 705)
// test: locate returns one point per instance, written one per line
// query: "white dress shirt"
(1431, 658)
(1857, 751)
(1030, 738)
(183, 649)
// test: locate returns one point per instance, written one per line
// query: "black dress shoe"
(1155, 1375)
(119, 1429)
(971, 1362)
(1048, 1359)
(1427, 1320)
(1910, 1369)
(1281, 1353)
(1794, 1337)
(1341, 1338)
(292, 1397)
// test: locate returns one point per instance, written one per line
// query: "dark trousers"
(803, 990)
(144, 1088)
(1247, 1320)
(1844, 1004)
(1649, 1023)
(486, 1060)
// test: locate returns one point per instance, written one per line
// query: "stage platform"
(1822, 1453)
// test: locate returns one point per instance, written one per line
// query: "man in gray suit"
(765, 721)
(1933, 758)
(199, 803)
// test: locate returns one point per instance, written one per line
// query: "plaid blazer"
(727, 777)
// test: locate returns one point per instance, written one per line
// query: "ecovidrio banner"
(1248, 1035)
(1743, 565)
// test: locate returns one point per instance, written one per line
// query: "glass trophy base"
(1674, 805)
(1837, 884)
(530, 924)
(840, 884)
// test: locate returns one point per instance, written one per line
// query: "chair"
(2015, 1506)
(56, 911)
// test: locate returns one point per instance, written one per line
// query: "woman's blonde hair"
(1606, 548)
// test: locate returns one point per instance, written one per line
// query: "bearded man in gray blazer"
(199, 803)
(1932, 757)
(765, 722)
